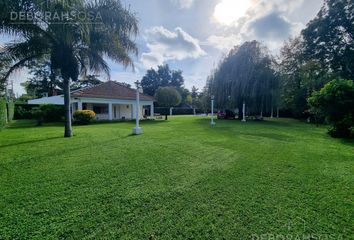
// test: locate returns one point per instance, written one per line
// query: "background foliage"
(335, 102)
(3, 112)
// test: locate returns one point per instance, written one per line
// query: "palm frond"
(91, 59)
(20, 64)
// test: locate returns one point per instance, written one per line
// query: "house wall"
(128, 113)
(123, 110)
(119, 111)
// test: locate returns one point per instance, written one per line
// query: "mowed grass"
(181, 179)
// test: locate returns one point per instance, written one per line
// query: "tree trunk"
(244, 111)
(277, 112)
(240, 113)
(271, 114)
(67, 103)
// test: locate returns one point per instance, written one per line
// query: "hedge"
(176, 111)
(3, 112)
(24, 111)
(50, 113)
(6, 112)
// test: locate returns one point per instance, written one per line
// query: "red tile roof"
(110, 89)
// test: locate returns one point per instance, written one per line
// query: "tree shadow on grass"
(31, 141)
(225, 126)
(142, 122)
(271, 136)
(19, 124)
(348, 142)
(206, 122)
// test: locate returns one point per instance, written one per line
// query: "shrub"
(6, 111)
(46, 113)
(84, 116)
(23, 111)
(37, 114)
(52, 113)
(2, 112)
(335, 102)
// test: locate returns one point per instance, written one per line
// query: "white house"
(109, 100)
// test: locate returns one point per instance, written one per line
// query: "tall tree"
(299, 76)
(43, 80)
(245, 75)
(74, 45)
(335, 102)
(162, 77)
(168, 97)
(329, 38)
(86, 81)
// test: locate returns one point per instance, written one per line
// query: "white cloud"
(228, 12)
(165, 45)
(152, 59)
(18, 77)
(223, 42)
(126, 77)
(184, 4)
(265, 21)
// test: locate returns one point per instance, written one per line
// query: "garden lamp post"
(212, 123)
(137, 130)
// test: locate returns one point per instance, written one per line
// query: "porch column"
(110, 111)
(79, 105)
(152, 113)
(72, 109)
(132, 111)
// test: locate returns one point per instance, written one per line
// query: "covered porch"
(114, 110)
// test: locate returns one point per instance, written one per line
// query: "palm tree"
(74, 45)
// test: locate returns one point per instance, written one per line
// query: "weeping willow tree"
(245, 76)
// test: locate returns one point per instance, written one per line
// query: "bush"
(52, 113)
(23, 111)
(37, 114)
(6, 112)
(335, 102)
(84, 116)
(47, 113)
(2, 112)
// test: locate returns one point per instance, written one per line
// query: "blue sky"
(193, 35)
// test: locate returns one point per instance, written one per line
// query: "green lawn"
(182, 179)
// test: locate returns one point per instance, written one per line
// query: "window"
(100, 109)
